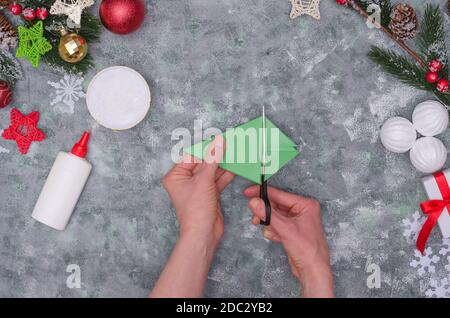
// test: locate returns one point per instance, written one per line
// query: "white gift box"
(433, 193)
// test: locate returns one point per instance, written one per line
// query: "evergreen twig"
(10, 69)
(90, 30)
(431, 38)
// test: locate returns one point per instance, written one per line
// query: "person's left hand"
(194, 188)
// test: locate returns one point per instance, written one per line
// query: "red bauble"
(41, 13)
(29, 14)
(15, 9)
(341, 2)
(435, 66)
(432, 77)
(5, 94)
(122, 16)
(442, 85)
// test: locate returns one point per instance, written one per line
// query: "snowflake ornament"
(68, 90)
(413, 226)
(446, 247)
(425, 262)
(309, 7)
(72, 8)
(439, 289)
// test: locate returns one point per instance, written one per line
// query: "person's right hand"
(296, 224)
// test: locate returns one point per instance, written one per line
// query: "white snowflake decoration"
(446, 247)
(439, 289)
(412, 226)
(309, 7)
(425, 262)
(68, 91)
(72, 8)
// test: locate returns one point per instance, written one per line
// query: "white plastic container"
(63, 187)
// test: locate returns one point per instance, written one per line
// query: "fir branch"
(385, 8)
(10, 69)
(399, 67)
(431, 38)
(355, 5)
(90, 29)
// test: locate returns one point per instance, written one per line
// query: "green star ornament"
(32, 43)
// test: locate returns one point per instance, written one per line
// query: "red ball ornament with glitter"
(442, 86)
(432, 77)
(29, 14)
(15, 9)
(5, 94)
(122, 16)
(435, 66)
(41, 13)
(341, 2)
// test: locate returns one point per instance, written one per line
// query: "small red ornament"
(122, 16)
(5, 94)
(435, 66)
(29, 14)
(15, 9)
(41, 13)
(442, 85)
(341, 2)
(432, 77)
(23, 129)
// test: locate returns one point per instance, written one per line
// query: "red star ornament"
(23, 129)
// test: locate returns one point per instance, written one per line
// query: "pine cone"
(8, 34)
(5, 3)
(404, 23)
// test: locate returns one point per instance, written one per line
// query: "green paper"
(246, 140)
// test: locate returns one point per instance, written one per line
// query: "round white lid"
(118, 98)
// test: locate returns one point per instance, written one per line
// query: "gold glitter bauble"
(72, 47)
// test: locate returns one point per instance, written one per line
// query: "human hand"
(296, 224)
(194, 188)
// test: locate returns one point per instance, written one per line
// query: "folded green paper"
(243, 152)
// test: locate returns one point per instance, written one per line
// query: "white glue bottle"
(63, 187)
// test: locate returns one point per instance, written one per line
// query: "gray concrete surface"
(219, 61)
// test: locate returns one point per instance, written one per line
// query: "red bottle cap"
(80, 148)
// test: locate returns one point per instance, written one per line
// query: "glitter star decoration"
(72, 8)
(23, 129)
(309, 7)
(32, 43)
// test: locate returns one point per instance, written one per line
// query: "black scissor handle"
(264, 195)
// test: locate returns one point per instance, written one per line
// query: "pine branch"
(386, 10)
(431, 38)
(10, 69)
(91, 28)
(399, 67)
(355, 5)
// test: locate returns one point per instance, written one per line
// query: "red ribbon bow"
(434, 209)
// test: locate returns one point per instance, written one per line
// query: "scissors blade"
(263, 144)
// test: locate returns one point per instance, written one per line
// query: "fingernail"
(254, 203)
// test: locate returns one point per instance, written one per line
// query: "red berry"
(29, 14)
(432, 77)
(341, 2)
(41, 13)
(435, 66)
(15, 9)
(442, 85)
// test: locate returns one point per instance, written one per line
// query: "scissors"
(263, 194)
